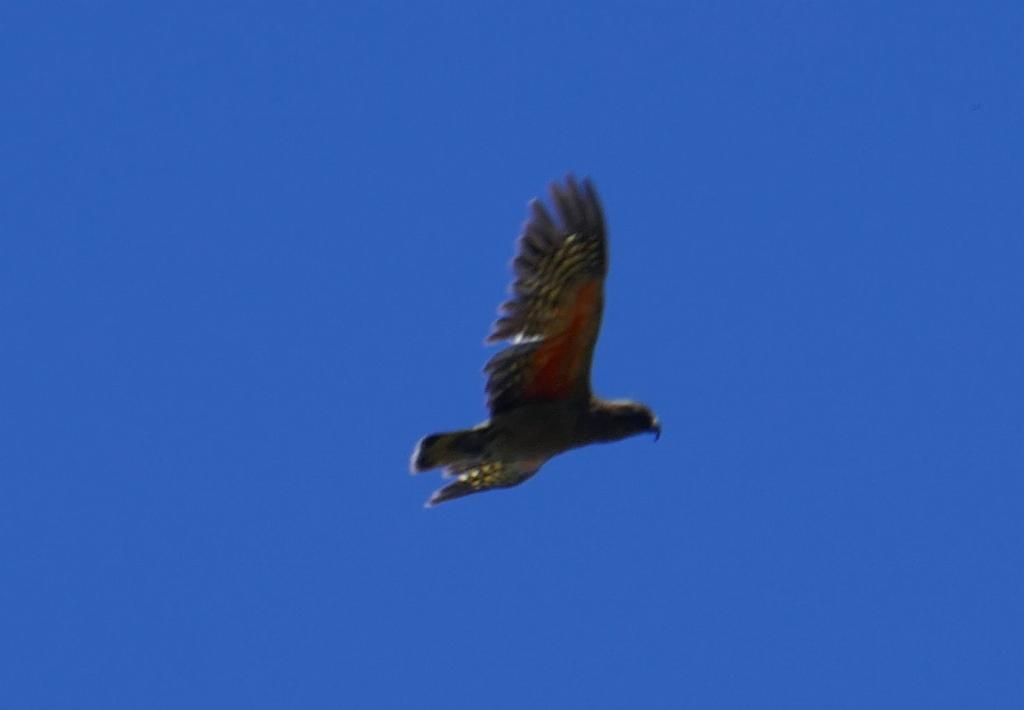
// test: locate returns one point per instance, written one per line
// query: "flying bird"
(538, 388)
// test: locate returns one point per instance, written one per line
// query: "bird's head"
(619, 419)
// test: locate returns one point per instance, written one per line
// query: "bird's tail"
(448, 448)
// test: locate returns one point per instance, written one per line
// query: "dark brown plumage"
(538, 388)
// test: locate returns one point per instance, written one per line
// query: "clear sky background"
(248, 255)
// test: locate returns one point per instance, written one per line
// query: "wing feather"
(554, 314)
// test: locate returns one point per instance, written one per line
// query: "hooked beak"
(656, 428)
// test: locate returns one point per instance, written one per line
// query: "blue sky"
(249, 254)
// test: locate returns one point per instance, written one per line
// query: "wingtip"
(588, 187)
(574, 184)
(435, 499)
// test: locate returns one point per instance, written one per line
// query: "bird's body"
(539, 387)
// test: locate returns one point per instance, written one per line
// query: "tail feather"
(447, 448)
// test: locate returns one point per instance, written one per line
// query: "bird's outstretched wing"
(480, 477)
(554, 314)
